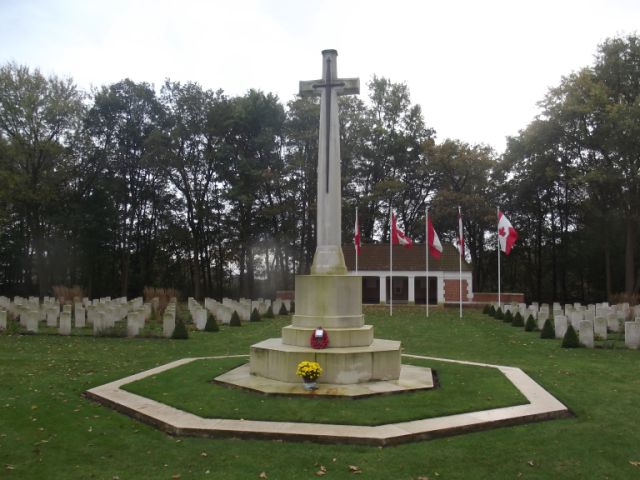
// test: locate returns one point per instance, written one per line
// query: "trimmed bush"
(255, 315)
(547, 330)
(283, 310)
(499, 315)
(212, 324)
(508, 317)
(180, 331)
(492, 311)
(518, 321)
(486, 309)
(530, 325)
(293, 307)
(269, 313)
(570, 339)
(235, 320)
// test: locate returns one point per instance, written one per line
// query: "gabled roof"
(376, 257)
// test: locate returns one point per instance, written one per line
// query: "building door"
(400, 289)
(370, 290)
(421, 291)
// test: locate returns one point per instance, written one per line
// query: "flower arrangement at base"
(309, 371)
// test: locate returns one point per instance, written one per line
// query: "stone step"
(338, 337)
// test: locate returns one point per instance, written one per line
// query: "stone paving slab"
(542, 406)
(412, 378)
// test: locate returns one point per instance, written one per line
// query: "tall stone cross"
(328, 258)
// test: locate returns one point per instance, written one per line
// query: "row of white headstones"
(222, 312)
(591, 322)
(102, 314)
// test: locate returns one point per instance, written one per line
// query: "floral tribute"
(319, 338)
(309, 371)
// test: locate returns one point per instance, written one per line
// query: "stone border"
(542, 406)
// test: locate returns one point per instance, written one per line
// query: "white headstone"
(65, 323)
(632, 335)
(3, 319)
(560, 324)
(600, 328)
(586, 333)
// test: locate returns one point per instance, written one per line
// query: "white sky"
(477, 68)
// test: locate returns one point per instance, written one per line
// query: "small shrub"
(212, 324)
(180, 330)
(570, 339)
(508, 317)
(293, 307)
(255, 315)
(492, 311)
(486, 309)
(518, 321)
(283, 310)
(548, 330)
(269, 313)
(235, 320)
(530, 325)
(499, 315)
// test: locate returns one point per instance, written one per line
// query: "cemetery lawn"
(49, 431)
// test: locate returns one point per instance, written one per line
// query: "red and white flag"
(356, 236)
(397, 236)
(460, 233)
(435, 247)
(507, 235)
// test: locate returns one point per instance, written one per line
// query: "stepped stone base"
(274, 359)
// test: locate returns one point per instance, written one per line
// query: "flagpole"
(460, 241)
(390, 293)
(498, 241)
(426, 253)
(354, 244)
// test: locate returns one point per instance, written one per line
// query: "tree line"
(126, 186)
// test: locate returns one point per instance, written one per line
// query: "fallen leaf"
(422, 478)
(354, 469)
(10, 467)
(530, 463)
(177, 476)
(635, 464)
(204, 454)
(263, 475)
(321, 473)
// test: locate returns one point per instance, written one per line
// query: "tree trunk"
(629, 257)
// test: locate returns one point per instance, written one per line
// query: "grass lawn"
(464, 388)
(48, 431)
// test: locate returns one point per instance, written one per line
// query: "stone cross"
(328, 258)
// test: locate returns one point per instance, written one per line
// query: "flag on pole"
(356, 236)
(460, 234)
(507, 235)
(397, 236)
(435, 247)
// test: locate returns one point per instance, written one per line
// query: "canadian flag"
(356, 236)
(397, 236)
(435, 247)
(507, 235)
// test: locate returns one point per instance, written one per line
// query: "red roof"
(376, 257)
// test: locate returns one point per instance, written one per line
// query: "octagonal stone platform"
(541, 406)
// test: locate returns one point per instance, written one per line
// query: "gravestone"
(65, 323)
(632, 335)
(80, 316)
(600, 328)
(585, 333)
(3, 319)
(560, 325)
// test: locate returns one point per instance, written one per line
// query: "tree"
(39, 118)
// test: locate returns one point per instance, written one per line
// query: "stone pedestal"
(333, 302)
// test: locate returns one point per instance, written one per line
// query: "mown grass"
(49, 431)
(464, 388)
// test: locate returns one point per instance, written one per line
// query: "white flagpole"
(426, 252)
(390, 292)
(498, 237)
(354, 244)
(460, 241)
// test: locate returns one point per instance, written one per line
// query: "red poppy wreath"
(319, 338)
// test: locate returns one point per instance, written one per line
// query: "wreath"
(319, 338)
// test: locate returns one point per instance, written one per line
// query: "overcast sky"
(477, 68)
